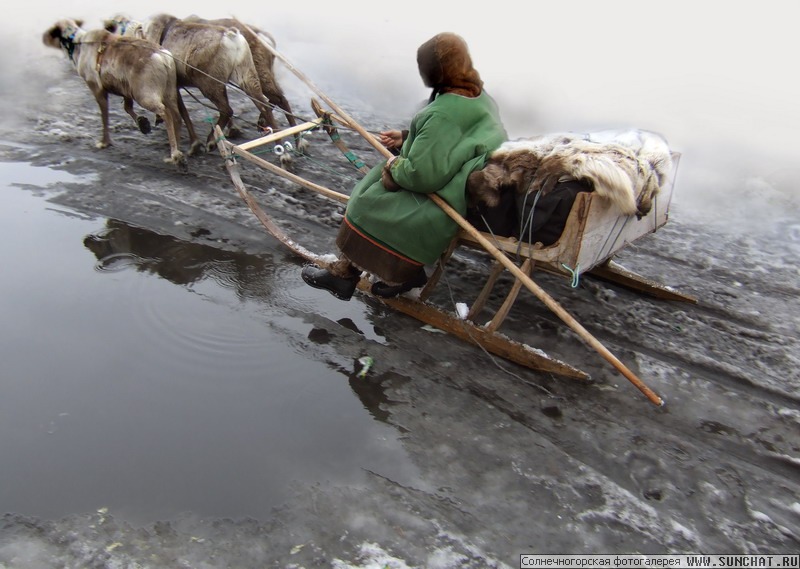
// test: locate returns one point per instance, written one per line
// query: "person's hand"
(386, 176)
(391, 139)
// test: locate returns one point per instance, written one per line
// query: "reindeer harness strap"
(68, 42)
(100, 51)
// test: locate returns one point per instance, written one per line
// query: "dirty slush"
(497, 460)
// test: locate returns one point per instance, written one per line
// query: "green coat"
(447, 140)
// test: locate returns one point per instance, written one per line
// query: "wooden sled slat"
(281, 134)
(491, 341)
(616, 273)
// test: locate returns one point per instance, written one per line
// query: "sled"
(594, 233)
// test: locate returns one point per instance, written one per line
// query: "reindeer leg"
(218, 95)
(300, 143)
(266, 118)
(277, 98)
(251, 85)
(172, 118)
(233, 130)
(194, 143)
(141, 120)
(101, 96)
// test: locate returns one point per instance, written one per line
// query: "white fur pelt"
(626, 167)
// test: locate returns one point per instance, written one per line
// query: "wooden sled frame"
(593, 234)
(590, 236)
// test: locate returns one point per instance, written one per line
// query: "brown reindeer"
(135, 69)
(208, 57)
(264, 61)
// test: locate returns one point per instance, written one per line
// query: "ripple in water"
(213, 321)
(118, 262)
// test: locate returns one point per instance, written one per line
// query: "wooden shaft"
(250, 157)
(501, 314)
(342, 115)
(487, 245)
(281, 134)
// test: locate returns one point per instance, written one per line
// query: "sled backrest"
(594, 232)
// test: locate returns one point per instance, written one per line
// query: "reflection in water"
(372, 393)
(123, 391)
(121, 246)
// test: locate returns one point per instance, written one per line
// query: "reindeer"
(264, 60)
(135, 69)
(207, 57)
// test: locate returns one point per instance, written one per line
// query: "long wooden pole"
(540, 293)
(281, 134)
(352, 123)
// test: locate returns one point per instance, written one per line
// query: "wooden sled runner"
(593, 235)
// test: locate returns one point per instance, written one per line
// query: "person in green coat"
(391, 228)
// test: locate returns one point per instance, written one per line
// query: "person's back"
(447, 140)
(391, 229)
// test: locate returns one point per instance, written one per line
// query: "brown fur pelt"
(626, 167)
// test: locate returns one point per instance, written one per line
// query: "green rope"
(353, 159)
(576, 274)
(350, 155)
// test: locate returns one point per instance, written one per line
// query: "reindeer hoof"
(180, 162)
(287, 162)
(159, 120)
(102, 144)
(144, 125)
(234, 132)
(196, 148)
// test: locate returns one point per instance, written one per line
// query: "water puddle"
(154, 377)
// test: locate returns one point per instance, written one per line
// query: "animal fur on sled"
(626, 167)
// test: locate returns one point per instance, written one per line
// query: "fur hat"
(446, 66)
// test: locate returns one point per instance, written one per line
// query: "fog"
(717, 79)
(448, 453)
